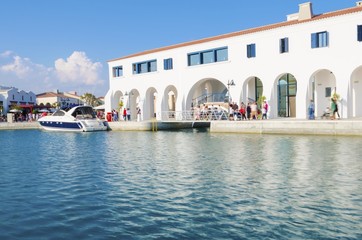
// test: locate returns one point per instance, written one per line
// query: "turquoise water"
(179, 185)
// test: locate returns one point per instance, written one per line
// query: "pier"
(345, 127)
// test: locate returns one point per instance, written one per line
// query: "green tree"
(90, 99)
(56, 104)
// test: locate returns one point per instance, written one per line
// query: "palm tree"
(90, 99)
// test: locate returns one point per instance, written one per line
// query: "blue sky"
(65, 44)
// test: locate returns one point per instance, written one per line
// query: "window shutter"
(314, 40)
(286, 44)
(359, 33)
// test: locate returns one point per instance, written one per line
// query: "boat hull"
(74, 126)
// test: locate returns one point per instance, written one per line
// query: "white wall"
(301, 61)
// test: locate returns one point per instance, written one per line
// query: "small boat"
(76, 119)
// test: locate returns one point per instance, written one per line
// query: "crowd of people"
(126, 115)
(249, 111)
(22, 117)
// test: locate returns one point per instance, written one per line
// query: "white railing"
(210, 115)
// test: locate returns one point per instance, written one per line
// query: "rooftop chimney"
(305, 11)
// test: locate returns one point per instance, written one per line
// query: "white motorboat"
(76, 119)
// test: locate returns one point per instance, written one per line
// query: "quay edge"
(271, 126)
(19, 125)
(156, 125)
(291, 127)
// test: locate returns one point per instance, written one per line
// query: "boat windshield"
(84, 113)
(59, 113)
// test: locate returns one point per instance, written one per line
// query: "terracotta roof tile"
(49, 94)
(244, 32)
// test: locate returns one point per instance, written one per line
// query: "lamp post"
(230, 83)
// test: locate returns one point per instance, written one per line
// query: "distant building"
(11, 96)
(58, 99)
(306, 57)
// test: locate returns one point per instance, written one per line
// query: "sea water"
(179, 185)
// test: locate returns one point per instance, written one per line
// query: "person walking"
(254, 111)
(264, 110)
(124, 114)
(128, 111)
(138, 114)
(242, 111)
(248, 111)
(334, 109)
(311, 110)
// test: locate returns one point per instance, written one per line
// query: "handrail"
(194, 115)
(212, 97)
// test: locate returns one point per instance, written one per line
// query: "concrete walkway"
(291, 126)
(271, 126)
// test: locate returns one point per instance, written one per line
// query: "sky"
(48, 45)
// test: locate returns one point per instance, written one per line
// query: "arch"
(253, 89)
(118, 97)
(150, 103)
(322, 85)
(356, 88)
(133, 102)
(287, 93)
(206, 91)
(169, 99)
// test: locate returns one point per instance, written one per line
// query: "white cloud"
(6, 54)
(24, 68)
(78, 68)
(77, 71)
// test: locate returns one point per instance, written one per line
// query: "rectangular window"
(359, 33)
(328, 92)
(208, 56)
(145, 67)
(250, 50)
(221, 54)
(284, 45)
(167, 64)
(152, 66)
(118, 71)
(194, 59)
(319, 39)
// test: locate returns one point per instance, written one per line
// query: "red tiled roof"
(53, 94)
(49, 94)
(46, 95)
(248, 31)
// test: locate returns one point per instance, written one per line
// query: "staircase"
(210, 99)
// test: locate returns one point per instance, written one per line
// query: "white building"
(309, 56)
(10, 96)
(62, 99)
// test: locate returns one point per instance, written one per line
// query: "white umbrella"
(100, 107)
(15, 111)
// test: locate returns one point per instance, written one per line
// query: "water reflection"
(183, 185)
